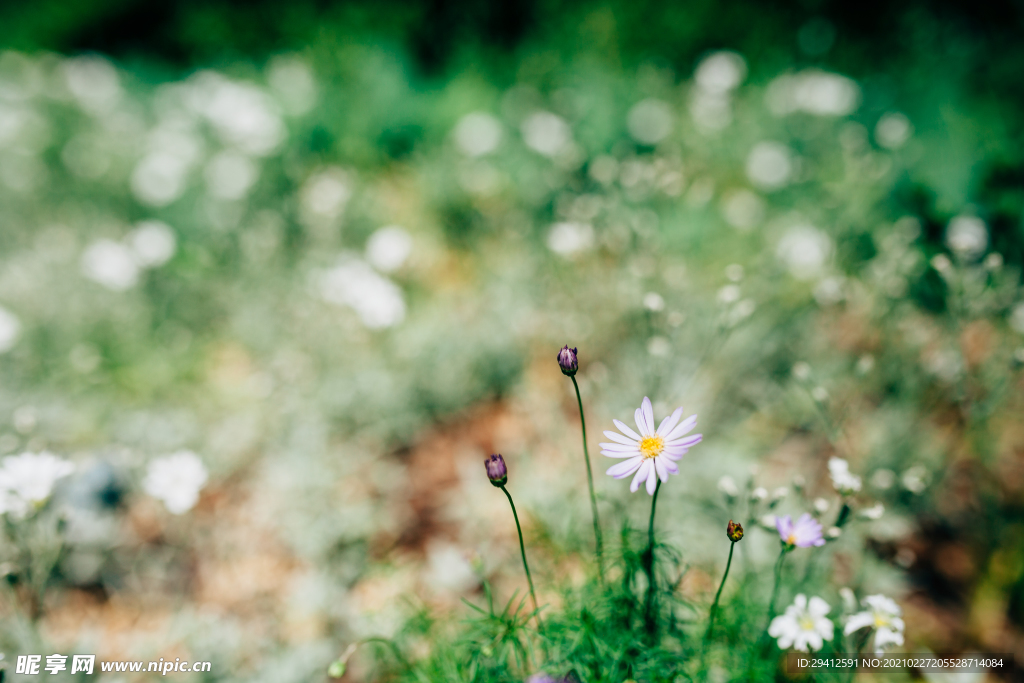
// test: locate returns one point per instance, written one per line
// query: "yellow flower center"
(881, 620)
(806, 622)
(791, 539)
(652, 446)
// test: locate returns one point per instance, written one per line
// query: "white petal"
(669, 422)
(648, 412)
(652, 480)
(818, 607)
(638, 417)
(686, 441)
(620, 448)
(682, 428)
(675, 455)
(625, 429)
(619, 454)
(659, 466)
(619, 438)
(670, 466)
(824, 628)
(641, 475)
(625, 468)
(858, 621)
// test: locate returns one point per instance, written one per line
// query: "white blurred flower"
(842, 479)
(849, 598)
(388, 248)
(720, 72)
(659, 346)
(570, 238)
(376, 300)
(834, 532)
(727, 485)
(913, 479)
(546, 133)
(883, 479)
(649, 121)
(874, 512)
(829, 291)
(93, 82)
(805, 250)
(1017, 318)
(893, 130)
(821, 505)
(742, 209)
(819, 394)
(768, 522)
(111, 264)
(760, 493)
(10, 330)
(802, 370)
(812, 91)
(27, 480)
(176, 480)
(729, 293)
(804, 626)
(883, 616)
(770, 165)
(967, 237)
(241, 113)
(653, 301)
(326, 193)
(159, 178)
(152, 242)
(477, 133)
(292, 80)
(230, 175)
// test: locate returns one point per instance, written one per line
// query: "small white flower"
(874, 512)
(376, 300)
(804, 626)
(176, 479)
(388, 248)
(10, 330)
(843, 481)
(111, 264)
(883, 616)
(651, 453)
(727, 485)
(779, 493)
(769, 522)
(27, 480)
(849, 599)
(821, 505)
(760, 493)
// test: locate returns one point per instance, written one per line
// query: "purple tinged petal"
(641, 475)
(625, 468)
(648, 412)
(784, 525)
(659, 466)
(625, 429)
(620, 447)
(613, 454)
(686, 441)
(682, 428)
(619, 438)
(670, 466)
(652, 480)
(638, 417)
(671, 455)
(669, 422)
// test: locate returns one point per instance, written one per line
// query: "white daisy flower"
(651, 454)
(843, 481)
(882, 615)
(27, 480)
(176, 479)
(804, 626)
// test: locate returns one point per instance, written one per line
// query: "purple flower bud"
(496, 470)
(568, 361)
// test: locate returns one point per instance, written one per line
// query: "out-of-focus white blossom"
(93, 82)
(874, 512)
(813, 91)
(967, 237)
(546, 133)
(804, 250)
(242, 114)
(742, 209)
(10, 330)
(569, 238)
(720, 72)
(893, 130)
(111, 264)
(176, 480)
(883, 616)
(843, 480)
(230, 175)
(27, 480)
(292, 81)
(804, 626)
(152, 243)
(1017, 318)
(477, 134)
(376, 300)
(727, 485)
(388, 248)
(650, 121)
(770, 165)
(325, 194)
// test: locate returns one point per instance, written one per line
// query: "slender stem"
(522, 551)
(649, 562)
(714, 605)
(775, 589)
(590, 483)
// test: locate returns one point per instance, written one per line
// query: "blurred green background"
(333, 248)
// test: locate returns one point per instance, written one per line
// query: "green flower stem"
(522, 551)
(649, 564)
(590, 483)
(775, 589)
(714, 605)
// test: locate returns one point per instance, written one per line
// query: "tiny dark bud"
(496, 470)
(568, 361)
(734, 531)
